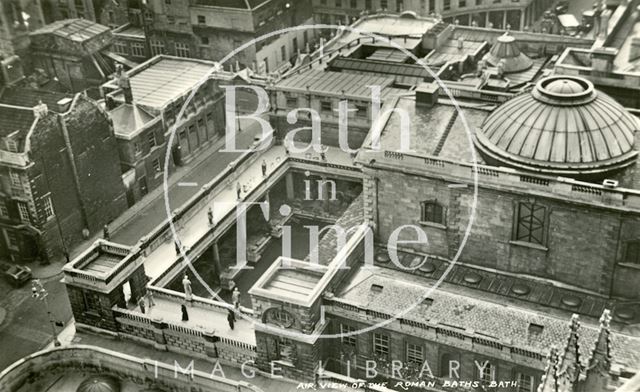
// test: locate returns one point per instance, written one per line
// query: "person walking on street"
(264, 168)
(150, 301)
(238, 190)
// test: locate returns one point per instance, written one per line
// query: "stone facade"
(567, 254)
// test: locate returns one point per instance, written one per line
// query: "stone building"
(482, 13)
(18, 18)
(209, 30)
(146, 112)
(458, 262)
(61, 180)
(70, 50)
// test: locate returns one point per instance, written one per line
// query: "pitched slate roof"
(14, 118)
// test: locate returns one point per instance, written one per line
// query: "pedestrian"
(141, 304)
(286, 150)
(238, 190)
(177, 246)
(264, 168)
(210, 215)
(105, 232)
(185, 315)
(150, 301)
(231, 319)
(235, 298)
(323, 156)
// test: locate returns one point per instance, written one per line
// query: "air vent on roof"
(376, 288)
(428, 301)
(535, 329)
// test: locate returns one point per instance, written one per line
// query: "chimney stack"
(427, 94)
(122, 79)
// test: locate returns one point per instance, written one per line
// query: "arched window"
(433, 211)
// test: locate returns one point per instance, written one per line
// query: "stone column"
(289, 185)
(486, 18)
(522, 20)
(504, 19)
(216, 261)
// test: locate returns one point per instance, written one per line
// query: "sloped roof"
(29, 98)
(507, 49)
(14, 118)
(129, 118)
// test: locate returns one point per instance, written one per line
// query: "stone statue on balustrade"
(186, 284)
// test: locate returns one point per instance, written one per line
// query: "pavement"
(24, 323)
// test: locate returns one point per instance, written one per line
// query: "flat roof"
(449, 51)
(165, 79)
(335, 83)
(73, 29)
(428, 129)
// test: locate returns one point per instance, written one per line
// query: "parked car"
(15, 274)
(568, 24)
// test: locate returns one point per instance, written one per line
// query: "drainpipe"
(74, 169)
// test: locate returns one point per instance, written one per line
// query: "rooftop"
(128, 119)
(335, 83)
(28, 98)
(562, 126)
(164, 79)
(494, 321)
(243, 4)
(73, 29)
(15, 118)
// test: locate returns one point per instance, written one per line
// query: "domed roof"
(562, 127)
(507, 49)
(99, 384)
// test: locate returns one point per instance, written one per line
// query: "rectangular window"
(12, 145)
(182, 49)
(137, 49)
(415, 354)
(383, 4)
(23, 209)
(12, 240)
(152, 139)
(367, 5)
(204, 40)
(632, 252)
(432, 211)
(202, 19)
(338, 3)
(120, 47)
(362, 110)
(525, 383)
(488, 373)
(15, 179)
(91, 302)
(347, 335)
(283, 53)
(4, 211)
(323, 2)
(462, 3)
(381, 346)
(399, 5)
(138, 147)
(292, 102)
(353, 4)
(531, 223)
(325, 106)
(156, 165)
(432, 6)
(446, 5)
(157, 47)
(48, 207)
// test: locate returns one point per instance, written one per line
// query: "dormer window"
(12, 145)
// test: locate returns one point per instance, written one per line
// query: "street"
(26, 328)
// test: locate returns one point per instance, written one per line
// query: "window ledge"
(434, 225)
(529, 245)
(630, 265)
